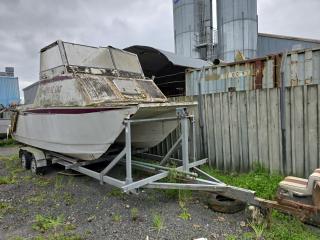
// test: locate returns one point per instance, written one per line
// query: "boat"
(84, 94)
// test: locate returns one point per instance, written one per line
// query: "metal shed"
(167, 68)
(271, 43)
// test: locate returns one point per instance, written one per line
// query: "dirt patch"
(101, 212)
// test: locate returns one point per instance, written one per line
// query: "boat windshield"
(85, 56)
(69, 54)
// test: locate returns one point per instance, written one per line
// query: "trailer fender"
(38, 155)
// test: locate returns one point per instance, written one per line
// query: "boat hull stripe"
(69, 110)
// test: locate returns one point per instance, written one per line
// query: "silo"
(193, 28)
(237, 28)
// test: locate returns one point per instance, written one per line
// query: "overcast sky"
(28, 25)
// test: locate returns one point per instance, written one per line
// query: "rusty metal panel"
(241, 76)
(302, 68)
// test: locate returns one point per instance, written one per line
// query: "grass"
(45, 223)
(7, 180)
(54, 236)
(68, 198)
(8, 142)
(116, 217)
(283, 226)
(185, 215)
(13, 168)
(12, 163)
(115, 192)
(134, 212)
(173, 177)
(41, 181)
(5, 208)
(259, 180)
(37, 199)
(52, 228)
(158, 222)
(231, 237)
(286, 227)
(60, 236)
(183, 197)
(58, 184)
(258, 229)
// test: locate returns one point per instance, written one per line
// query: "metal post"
(283, 113)
(193, 139)
(171, 151)
(200, 108)
(128, 153)
(185, 143)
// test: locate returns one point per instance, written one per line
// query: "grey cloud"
(290, 17)
(28, 25)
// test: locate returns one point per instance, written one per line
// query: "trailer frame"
(187, 170)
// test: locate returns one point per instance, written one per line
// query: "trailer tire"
(223, 204)
(25, 159)
(34, 168)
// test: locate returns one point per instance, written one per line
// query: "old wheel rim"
(33, 166)
(23, 161)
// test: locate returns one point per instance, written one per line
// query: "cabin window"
(127, 87)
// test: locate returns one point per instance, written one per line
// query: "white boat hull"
(83, 136)
(87, 136)
(150, 134)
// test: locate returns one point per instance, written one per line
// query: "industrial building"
(198, 44)
(9, 87)
(167, 69)
(237, 31)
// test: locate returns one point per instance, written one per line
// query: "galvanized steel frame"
(192, 182)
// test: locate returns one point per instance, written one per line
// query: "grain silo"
(237, 28)
(193, 28)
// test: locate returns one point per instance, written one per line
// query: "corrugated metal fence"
(301, 68)
(243, 128)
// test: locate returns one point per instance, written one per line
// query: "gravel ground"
(8, 151)
(100, 212)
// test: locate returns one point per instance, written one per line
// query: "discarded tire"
(223, 204)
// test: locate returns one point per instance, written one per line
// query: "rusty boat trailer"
(186, 170)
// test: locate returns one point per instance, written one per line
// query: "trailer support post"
(128, 153)
(185, 143)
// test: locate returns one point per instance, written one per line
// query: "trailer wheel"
(34, 168)
(223, 204)
(25, 159)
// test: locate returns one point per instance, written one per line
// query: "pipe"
(218, 61)
(201, 117)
